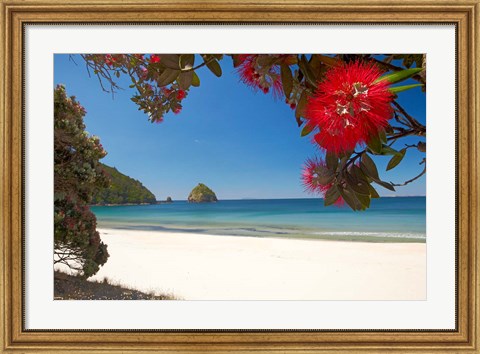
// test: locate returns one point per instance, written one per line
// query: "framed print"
(234, 177)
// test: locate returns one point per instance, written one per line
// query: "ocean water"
(400, 219)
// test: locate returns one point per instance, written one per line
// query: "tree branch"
(414, 123)
(414, 178)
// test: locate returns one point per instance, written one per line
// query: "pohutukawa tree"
(78, 175)
(346, 103)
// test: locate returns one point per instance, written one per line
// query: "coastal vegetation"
(122, 190)
(78, 175)
(202, 194)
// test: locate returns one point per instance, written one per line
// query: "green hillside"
(123, 190)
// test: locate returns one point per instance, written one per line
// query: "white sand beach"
(204, 267)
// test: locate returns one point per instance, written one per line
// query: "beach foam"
(387, 235)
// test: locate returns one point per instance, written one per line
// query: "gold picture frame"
(464, 14)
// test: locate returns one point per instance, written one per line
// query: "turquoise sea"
(400, 219)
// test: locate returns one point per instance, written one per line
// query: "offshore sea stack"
(202, 194)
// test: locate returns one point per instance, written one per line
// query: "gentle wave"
(371, 234)
(279, 232)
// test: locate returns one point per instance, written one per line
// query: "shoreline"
(212, 267)
(273, 232)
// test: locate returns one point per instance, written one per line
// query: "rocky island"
(202, 194)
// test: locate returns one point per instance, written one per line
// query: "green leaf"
(170, 61)
(346, 153)
(375, 143)
(332, 161)
(330, 61)
(331, 196)
(357, 185)
(343, 162)
(302, 102)
(419, 60)
(385, 185)
(236, 61)
(287, 79)
(387, 150)
(398, 89)
(421, 146)
(299, 121)
(265, 60)
(409, 59)
(396, 159)
(373, 192)
(358, 173)
(214, 67)
(307, 129)
(383, 136)
(316, 65)
(187, 61)
(399, 76)
(195, 79)
(307, 72)
(368, 166)
(167, 77)
(364, 200)
(350, 198)
(324, 175)
(185, 79)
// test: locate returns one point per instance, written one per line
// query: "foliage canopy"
(77, 176)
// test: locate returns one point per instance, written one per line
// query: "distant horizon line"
(391, 196)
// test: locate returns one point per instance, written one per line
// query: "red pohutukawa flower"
(257, 77)
(166, 91)
(142, 73)
(311, 175)
(154, 58)
(349, 106)
(109, 60)
(181, 95)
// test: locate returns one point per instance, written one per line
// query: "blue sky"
(240, 143)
